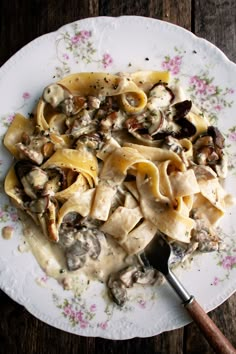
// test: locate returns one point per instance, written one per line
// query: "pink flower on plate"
(218, 107)
(66, 56)
(228, 262)
(75, 39)
(175, 70)
(79, 316)
(14, 216)
(103, 325)
(231, 91)
(85, 34)
(172, 64)
(232, 136)
(83, 324)
(93, 308)
(107, 60)
(10, 118)
(67, 310)
(142, 303)
(215, 281)
(211, 89)
(194, 80)
(26, 95)
(82, 36)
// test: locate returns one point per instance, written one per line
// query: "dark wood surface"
(22, 21)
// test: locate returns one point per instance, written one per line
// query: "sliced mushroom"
(92, 141)
(67, 235)
(218, 138)
(36, 148)
(93, 102)
(204, 235)
(117, 290)
(159, 96)
(127, 276)
(181, 109)
(39, 205)
(50, 217)
(172, 144)
(56, 181)
(148, 276)
(61, 98)
(208, 150)
(76, 255)
(32, 178)
(181, 252)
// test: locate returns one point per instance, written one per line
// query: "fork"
(157, 255)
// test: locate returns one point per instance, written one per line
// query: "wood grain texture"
(22, 21)
(215, 20)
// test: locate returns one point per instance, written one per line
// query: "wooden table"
(22, 21)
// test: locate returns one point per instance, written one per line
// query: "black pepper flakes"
(129, 64)
(194, 52)
(147, 59)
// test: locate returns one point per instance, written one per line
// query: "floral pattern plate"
(112, 45)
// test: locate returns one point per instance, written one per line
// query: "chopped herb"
(129, 64)
(106, 80)
(62, 271)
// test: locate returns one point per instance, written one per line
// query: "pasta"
(108, 161)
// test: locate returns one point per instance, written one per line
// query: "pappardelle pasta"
(105, 163)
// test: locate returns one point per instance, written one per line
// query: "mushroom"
(76, 255)
(204, 235)
(117, 290)
(111, 122)
(56, 181)
(92, 141)
(158, 124)
(181, 251)
(61, 98)
(148, 276)
(159, 96)
(39, 205)
(127, 276)
(208, 150)
(32, 178)
(36, 148)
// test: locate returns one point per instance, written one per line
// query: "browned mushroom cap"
(217, 137)
(208, 148)
(181, 109)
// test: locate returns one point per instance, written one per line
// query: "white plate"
(118, 44)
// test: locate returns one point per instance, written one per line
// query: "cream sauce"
(51, 259)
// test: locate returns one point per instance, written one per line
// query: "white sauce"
(51, 259)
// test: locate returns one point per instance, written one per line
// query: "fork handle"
(212, 333)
